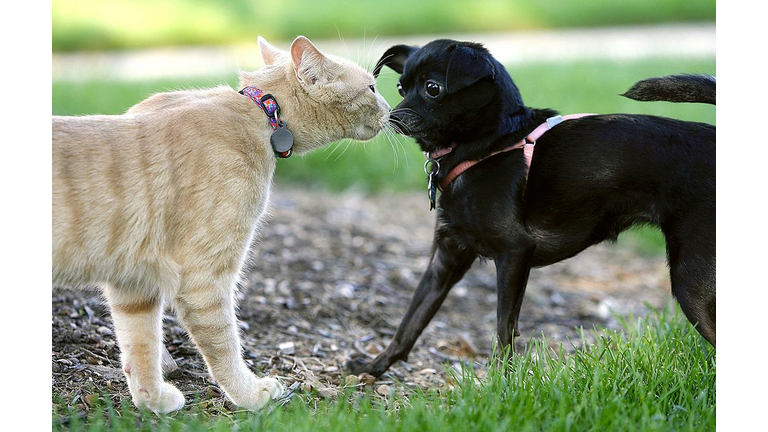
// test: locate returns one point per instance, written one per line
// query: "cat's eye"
(400, 89)
(433, 89)
(372, 88)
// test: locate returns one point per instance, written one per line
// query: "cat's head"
(331, 97)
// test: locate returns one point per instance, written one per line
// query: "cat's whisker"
(369, 57)
(341, 37)
(394, 132)
(349, 141)
(379, 62)
(387, 134)
(335, 147)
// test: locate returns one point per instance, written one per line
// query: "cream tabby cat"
(158, 206)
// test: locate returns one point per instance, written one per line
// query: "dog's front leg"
(448, 266)
(512, 270)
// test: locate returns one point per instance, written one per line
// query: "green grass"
(655, 374)
(96, 24)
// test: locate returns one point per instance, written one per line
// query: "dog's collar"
(527, 144)
(281, 139)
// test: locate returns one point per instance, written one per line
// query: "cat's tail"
(675, 88)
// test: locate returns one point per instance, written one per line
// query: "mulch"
(331, 276)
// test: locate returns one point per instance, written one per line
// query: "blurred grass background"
(116, 24)
(381, 165)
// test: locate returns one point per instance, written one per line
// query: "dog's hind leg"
(512, 270)
(448, 265)
(691, 252)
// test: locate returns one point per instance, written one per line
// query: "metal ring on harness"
(434, 169)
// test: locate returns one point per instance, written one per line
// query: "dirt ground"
(331, 277)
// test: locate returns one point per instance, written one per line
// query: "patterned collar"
(281, 139)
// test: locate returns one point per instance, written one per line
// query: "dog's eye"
(433, 88)
(372, 88)
(400, 89)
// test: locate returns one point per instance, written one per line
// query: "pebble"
(383, 390)
(367, 379)
(287, 348)
(326, 392)
(351, 381)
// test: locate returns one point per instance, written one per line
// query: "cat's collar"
(281, 139)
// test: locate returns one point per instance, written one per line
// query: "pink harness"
(527, 144)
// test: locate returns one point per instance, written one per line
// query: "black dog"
(590, 179)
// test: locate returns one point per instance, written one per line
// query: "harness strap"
(527, 144)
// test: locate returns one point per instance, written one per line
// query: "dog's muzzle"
(404, 122)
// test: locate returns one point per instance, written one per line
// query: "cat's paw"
(167, 399)
(260, 393)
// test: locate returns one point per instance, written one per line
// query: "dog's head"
(452, 92)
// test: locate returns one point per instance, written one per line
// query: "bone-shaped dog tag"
(282, 140)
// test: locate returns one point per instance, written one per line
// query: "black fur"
(590, 179)
(675, 88)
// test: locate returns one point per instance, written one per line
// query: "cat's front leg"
(138, 326)
(207, 310)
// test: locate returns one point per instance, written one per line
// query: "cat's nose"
(383, 104)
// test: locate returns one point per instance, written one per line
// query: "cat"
(158, 206)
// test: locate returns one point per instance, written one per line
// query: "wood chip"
(367, 379)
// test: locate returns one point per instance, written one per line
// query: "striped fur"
(158, 206)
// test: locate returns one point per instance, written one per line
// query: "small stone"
(351, 381)
(428, 371)
(367, 378)
(287, 348)
(326, 392)
(383, 390)
(91, 399)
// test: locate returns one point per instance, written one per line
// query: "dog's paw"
(164, 400)
(260, 392)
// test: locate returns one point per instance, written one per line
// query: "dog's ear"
(269, 53)
(395, 58)
(466, 67)
(310, 65)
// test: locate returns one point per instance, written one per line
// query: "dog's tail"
(675, 88)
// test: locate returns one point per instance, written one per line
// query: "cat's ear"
(269, 53)
(395, 58)
(310, 65)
